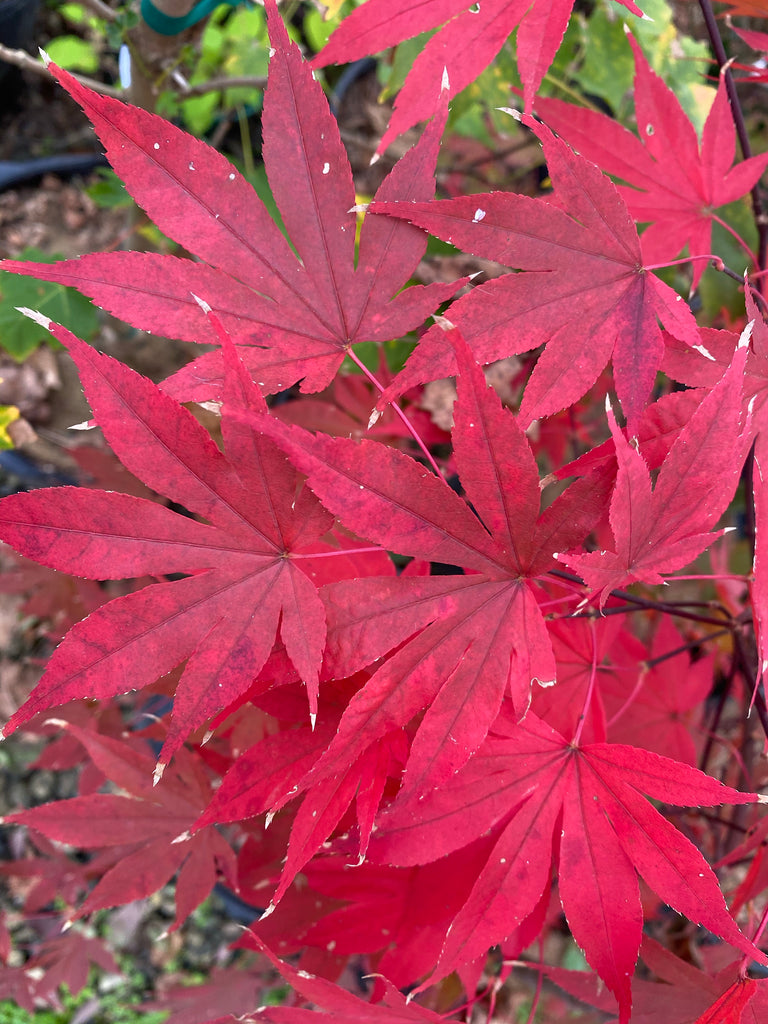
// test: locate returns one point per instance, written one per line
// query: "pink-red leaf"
(245, 586)
(292, 317)
(593, 799)
(584, 280)
(662, 529)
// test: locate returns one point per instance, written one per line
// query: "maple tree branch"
(761, 219)
(697, 642)
(716, 716)
(22, 59)
(220, 84)
(639, 603)
(101, 10)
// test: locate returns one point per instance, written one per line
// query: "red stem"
(590, 688)
(398, 412)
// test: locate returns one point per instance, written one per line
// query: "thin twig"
(21, 59)
(761, 219)
(216, 84)
(101, 10)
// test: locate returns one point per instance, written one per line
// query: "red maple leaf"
(659, 530)
(479, 636)
(149, 824)
(468, 41)
(245, 587)
(292, 316)
(662, 709)
(343, 1006)
(704, 369)
(677, 182)
(585, 293)
(586, 807)
(680, 993)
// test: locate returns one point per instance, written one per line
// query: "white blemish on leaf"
(191, 166)
(156, 145)
(479, 215)
(704, 352)
(326, 167)
(33, 314)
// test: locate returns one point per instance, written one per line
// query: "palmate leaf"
(661, 529)
(677, 183)
(148, 821)
(469, 40)
(479, 637)
(705, 370)
(583, 807)
(292, 314)
(585, 293)
(245, 587)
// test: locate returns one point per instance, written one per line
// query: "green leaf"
(20, 336)
(73, 54)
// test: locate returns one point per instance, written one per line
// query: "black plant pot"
(17, 25)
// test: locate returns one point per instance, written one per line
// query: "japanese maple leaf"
(469, 40)
(586, 807)
(400, 914)
(659, 530)
(680, 993)
(262, 775)
(705, 369)
(663, 709)
(343, 1006)
(585, 292)
(149, 823)
(473, 638)
(757, 41)
(66, 960)
(245, 585)
(293, 316)
(677, 182)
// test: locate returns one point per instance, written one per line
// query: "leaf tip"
(746, 334)
(374, 418)
(44, 56)
(268, 912)
(60, 722)
(374, 159)
(33, 314)
(158, 773)
(312, 720)
(359, 207)
(445, 84)
(444, 322)
(201, 303)
(762, 798)
(705, 352)
(185, 836)
(84, 425)
(512, 111)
